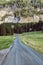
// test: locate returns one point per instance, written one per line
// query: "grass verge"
(6, 41)
(34, 40)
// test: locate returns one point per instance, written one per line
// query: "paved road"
(22, 55)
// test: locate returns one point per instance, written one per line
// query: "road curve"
(22, 55)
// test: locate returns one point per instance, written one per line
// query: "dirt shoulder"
(3, 54)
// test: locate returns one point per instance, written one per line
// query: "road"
(22, 55)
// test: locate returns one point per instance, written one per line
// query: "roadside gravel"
(3, 54)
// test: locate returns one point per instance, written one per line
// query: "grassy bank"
(6, 41)
(34, 40)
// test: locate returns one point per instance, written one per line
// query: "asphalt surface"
(22, 55)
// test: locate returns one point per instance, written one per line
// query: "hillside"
(9, 1)
(27, 13)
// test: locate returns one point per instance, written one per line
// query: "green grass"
(34, 40)
(6, 41)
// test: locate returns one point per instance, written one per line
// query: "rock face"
(36, 18)
(7, 15)
(12, 19)
(9, 19)
(2, 14)
(41, 17)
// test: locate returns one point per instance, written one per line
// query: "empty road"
(22, 55)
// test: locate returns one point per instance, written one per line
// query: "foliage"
(6, 28)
